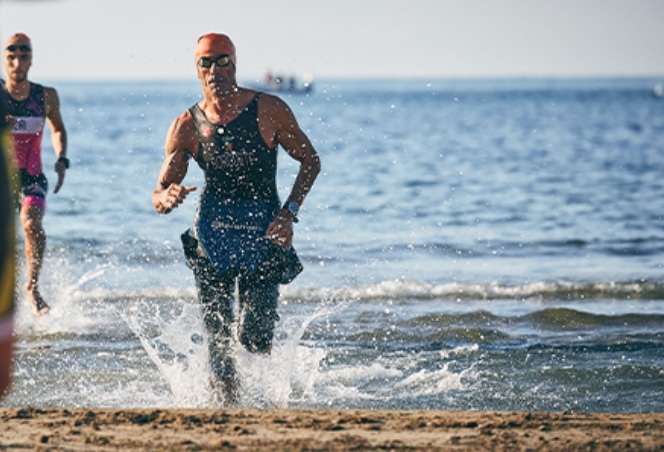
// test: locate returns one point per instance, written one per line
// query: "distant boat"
(658, 90)
(287, 84)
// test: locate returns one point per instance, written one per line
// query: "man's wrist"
(291, 208)
(64, 160)
(288, 215)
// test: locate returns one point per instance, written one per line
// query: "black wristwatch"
(293, 208)
(64, 160)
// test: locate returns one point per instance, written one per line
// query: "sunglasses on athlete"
(21, 47)
(220, 61)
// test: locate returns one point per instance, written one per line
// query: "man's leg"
(258, 313)
(216, 297)
(35, 244)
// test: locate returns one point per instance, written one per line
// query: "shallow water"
(490, 245)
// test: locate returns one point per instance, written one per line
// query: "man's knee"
(257, 328)
(31, 220)
(33, 229)
(257, 342)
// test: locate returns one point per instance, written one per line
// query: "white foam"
(175, 343)
(175, 340)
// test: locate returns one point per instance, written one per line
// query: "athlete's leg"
(258, 313)
(32, 214)
(216, 296)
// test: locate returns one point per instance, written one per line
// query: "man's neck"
(222, 107)
(224, 99)
(19, 90)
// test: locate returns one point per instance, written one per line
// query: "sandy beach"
(329, 430)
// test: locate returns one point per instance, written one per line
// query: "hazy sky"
(154, 39)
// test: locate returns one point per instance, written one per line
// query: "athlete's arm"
(58, 133)
(285, 131)
(181, 137)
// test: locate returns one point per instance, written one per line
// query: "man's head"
(215, 61)
(18, 57)
(215, 44)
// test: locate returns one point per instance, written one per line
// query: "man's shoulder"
(48, 91)
(270, 102)
(263, 98)
(182, 138)
(34, 86)
(267, 97)
(183, 126)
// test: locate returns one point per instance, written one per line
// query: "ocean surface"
(469, 244)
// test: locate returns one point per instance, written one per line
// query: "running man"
(29, 106)
(242, 234)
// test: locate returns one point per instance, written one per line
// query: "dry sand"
(323, 430)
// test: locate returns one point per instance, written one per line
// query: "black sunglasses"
(21, 47)
(220, 61)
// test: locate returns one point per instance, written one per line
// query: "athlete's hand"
(61, 169)
(172, 197)
(11, 121)
(280, 231)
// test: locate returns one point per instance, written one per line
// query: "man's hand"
(11, 121)
(280, 231)
(61, 169)
(171, 197)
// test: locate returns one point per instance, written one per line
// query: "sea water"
(469, 244)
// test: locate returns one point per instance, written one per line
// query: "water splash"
(174, 338)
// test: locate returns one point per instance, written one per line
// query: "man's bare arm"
(287, 133)
(58, 133)
(296, 143)
(169, 194)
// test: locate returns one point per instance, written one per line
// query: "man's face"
(215, 63)
(18, 59)
(216, 72)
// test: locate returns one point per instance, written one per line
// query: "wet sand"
(323, 430)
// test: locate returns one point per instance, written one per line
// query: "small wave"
(484, 325)
(639, 246)
(570, 319)
(403, 291)
(430, 340)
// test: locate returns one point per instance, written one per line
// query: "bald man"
(242, 234)
(30, 105)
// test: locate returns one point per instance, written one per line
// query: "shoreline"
(324, 429)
